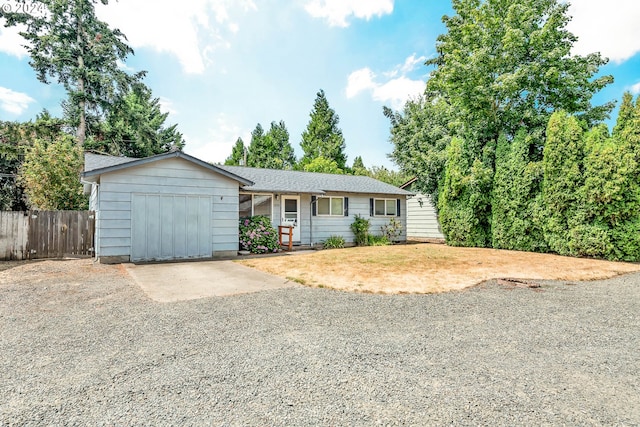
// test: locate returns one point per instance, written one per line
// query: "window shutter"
(313, 205)
(398, 207)
(371, 207)
(346, 206)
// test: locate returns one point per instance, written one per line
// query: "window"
(255, 204)
(331, 206)
(385, 207)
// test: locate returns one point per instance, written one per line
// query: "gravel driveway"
(89, 348)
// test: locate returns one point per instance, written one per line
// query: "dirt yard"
(429, 268)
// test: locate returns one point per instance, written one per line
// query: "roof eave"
(158, 157)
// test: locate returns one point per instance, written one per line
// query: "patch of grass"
(429, 268)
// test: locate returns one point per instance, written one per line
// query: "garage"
(170, 226)
(161, 208)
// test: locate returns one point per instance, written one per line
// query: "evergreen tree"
(464, 201)
(135, 127)
(236, 158)
(283, 156)
(68, 43)
(358, 167)
(563, 177)
(516, 203)
(271, 150)
(323, 137)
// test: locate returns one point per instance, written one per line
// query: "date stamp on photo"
(27, 7)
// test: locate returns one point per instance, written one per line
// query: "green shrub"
(334, 242)
(589, 240)
(392, 230)
(360, 227)
(373, 240)
(516, 204)
(464, 204)
(257, 235)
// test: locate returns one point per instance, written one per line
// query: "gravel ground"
(91, 349)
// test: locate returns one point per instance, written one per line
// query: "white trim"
(330, 214)
(385, 215)
(252, 201)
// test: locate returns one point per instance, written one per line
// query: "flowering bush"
(257, 235)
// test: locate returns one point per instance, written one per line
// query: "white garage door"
(170, 226)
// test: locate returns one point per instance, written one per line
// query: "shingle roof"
(259, 180)
(286, 181)
(96, 164)
(98, 161)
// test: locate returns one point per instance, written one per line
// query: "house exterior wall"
(422, 219)
(322, 227)
(169, 176)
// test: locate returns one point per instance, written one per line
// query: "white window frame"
(386, 214)
(253, 203)
(331, 213)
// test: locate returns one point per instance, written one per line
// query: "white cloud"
(608, 27)
(10, 41)
(166, 105)
(337, 11)
(189, 30)
(219, 141)
(396, 90)
(14, 102)
(359, 81)
(635, 89)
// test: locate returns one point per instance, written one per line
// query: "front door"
(291, 216)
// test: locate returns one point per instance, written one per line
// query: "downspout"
(96, 235)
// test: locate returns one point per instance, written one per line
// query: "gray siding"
(326, 226)
(168, 176)
(422, 220)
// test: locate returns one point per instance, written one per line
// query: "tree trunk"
(81, 132)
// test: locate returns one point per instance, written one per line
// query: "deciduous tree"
(50, 175)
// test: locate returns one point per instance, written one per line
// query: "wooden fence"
(46, 234)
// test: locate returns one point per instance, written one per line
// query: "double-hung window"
(385, 207)
(331, 206)
(255, 204)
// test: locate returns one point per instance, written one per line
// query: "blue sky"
(222, 66)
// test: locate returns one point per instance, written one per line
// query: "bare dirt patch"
(429, 268)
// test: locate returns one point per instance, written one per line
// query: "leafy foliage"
(360, 227)
(392, 230)
(333, 242)
(50, 175)
(504, 64)
(464, 203)
(562, 164)
(373, 240)
(236, 158)
(257, 235)
(323, 137)
(271, 150)
(516, 203)
(323, 165)
(15, 139)
(420, 136)
(134, 127)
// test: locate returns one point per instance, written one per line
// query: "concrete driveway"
(170, 282)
